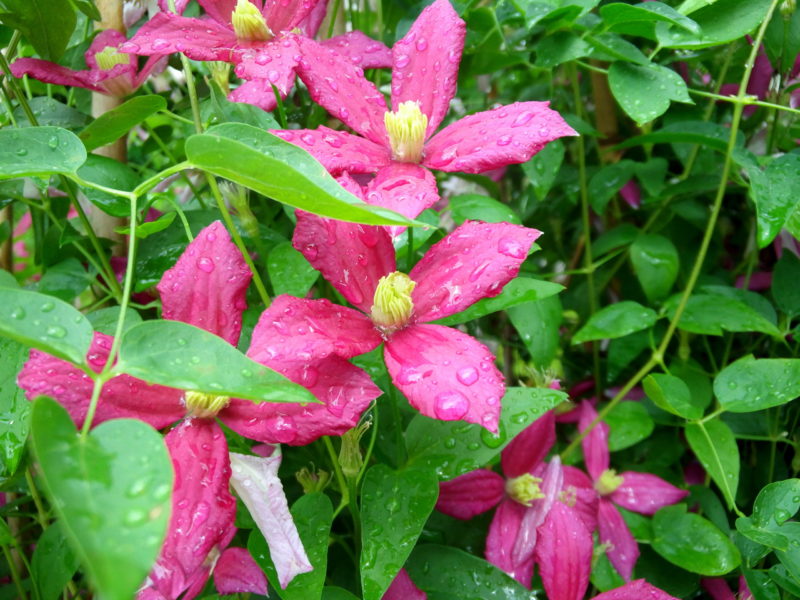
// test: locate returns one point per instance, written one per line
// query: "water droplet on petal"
(450, 406)
(467, 375)
(205, 264)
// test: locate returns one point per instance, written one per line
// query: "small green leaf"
(112, 125)
(784, 284)
(618, 13)
(54, 563)
(46, 323)
(481, 208)
(113, 502)
(150, 227)
(609, 180)
(558, 48)
(711, 313)
(537, 324)
(105, 320)
(774, 192)
(289, 271)
(46, 24)
(49, 111)
(615, 47)
(112, 174)
(655, 262)
(715, 447)
(752, 384)
(710, 135)
(780, 575)
(693, 543)
(219, 109)
(616, 321)
(182, 356)
(41, 151)
(629, 424)
(673, 395)
(543, 168)
(645, 92)
(394, 508)
(14, 408)
(720, 23)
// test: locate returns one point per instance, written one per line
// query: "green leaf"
(182, 356)
(752, 384)
(337, 593)
(760, 585)
(65, 280)
(447, 572)
(614, 47)
(54, 563)
(88, 8)
(112, 174)
(537, 324)
(616, 321)
(14, 408)
(312, 514)
(517, 291)
(452, 449)
(785, 290)
(780, 575)
(222, 110)
(394, 508)
(481, 208)
(722, 22)
(289, 271)
(619, 13)
(791, 558)
(46, 323)
(607, 181)
(49, 111)
(774, 192)
(645, 92)
(104, 320)
(715, 447)
(113, 503)
(47, 24)
(776, 503)
(629, 424)
(692, 542)
(40, 151)
(543, 168)
(112, 125)
(295, 177)
(655, 262)
(673, 395)
(147, 229)
(707, 134)
(710, 314)
(558, 48)
(766, 536)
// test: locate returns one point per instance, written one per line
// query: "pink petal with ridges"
(578, 488)
(122, 76)
(524, 545)
(470, 494)
(530, 447)
(403, 588)
(207, 286)
(636, 590)
(446, 374)
(237, 573)
(425, 62)
(473, 262)
(495, 138)
(350, 256)
(338, 151)
(272, 64)
(220, 10)
(404, 188)
(645, 493)
(154, 64)
(500, 541)
(361, 49)
(123, 396)
(203, 510)
(564, 554)
(595, 444)
(285, 15)
(180, 6)
(311, 24)
(256, 481)
(623, 550)
(198, 39)
(717, 588)
(49, 72)
(338, 85)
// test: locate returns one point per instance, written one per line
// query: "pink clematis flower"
(424, 76)
(639, 492)
(718, 589)
(444, 373)
(638, 589)
(262, 35)
(110, 71)
(237, 573)
(403, 588)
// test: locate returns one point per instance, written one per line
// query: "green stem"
(12, 567)
(37, 500)
(343, 488)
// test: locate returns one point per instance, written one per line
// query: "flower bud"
(350, 459)
(312, 481)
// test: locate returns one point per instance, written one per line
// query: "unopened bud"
(312, 481)
(350, 459)
(787, 8)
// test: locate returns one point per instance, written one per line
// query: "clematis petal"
(638, 589)
(237, 573)
(198, 39)
(219, 10)
(108, 38)
(475, 261)
(180, 6)
(530, 447)
(50, 72)
(470, 494)
(446, 374)
(285, 15)
(564, 554)
(502, 136)
(361, 49)
(717, 588)
(154, 64)
(313, 21)
(203, 510)
(403, 588)
(338, 151)
(207, 286)
(533, 518)
(595, 444)
(500, 540)
(405, 188)
(645, 493)
(123, 396)
(272, 64)
(256, 481)
(338, 85)
(425, 62)
(623, 550)
(350, 256)
(580, 495)
(120, 79)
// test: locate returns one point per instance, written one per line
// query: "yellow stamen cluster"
(524, 489)
(110, 57)
(406, 128)
(392, 305)
(204, 406)
(608, 482)
(249, 24)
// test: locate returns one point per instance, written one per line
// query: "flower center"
(406, 128)
(204, 406)
(249, 24)
(392, 305)
(608, 482)
(110, 57)
(524, 489)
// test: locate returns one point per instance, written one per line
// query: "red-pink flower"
(718, 589)
(424, 76)
(639, 492)
(638, 589)
(403, 588)
(443, 372)
(110, 71)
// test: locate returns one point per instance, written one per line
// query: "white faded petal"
(526, 538)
